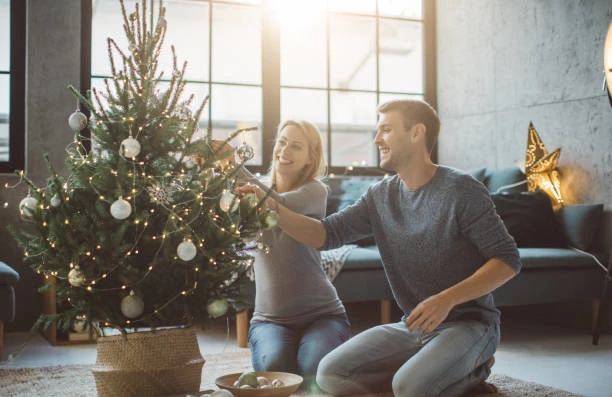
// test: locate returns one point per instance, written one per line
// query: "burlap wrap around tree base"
(148, 363)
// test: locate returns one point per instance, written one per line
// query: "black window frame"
(17, 88)
(271, 84)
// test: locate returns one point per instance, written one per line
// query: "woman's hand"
(260, 193)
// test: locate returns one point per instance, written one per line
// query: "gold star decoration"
(541, 167)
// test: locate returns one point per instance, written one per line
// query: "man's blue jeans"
(296, 348)
(450, 361)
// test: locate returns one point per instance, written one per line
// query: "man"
(444, 249)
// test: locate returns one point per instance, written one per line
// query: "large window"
(262, 61)
(12, 72)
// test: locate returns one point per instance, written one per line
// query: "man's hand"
(428, 314)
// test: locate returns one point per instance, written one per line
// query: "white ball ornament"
(77, 120)
(55, 201)
(132, 306)
(76, 277)
(120, 209)
(186, 250)
(130, 147)
(28, 206)
(226, 200)
(217, 308)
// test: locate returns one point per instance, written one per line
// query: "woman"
(298, 317)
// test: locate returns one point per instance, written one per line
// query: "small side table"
(603, 308)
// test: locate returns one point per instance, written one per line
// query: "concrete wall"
(502, 64)
(53, 62)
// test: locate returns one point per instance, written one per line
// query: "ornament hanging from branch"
(77, 120)
(186, 250)
(132, 305)
(130, 147)
(120, 209)
(28, 207)
(76, 277)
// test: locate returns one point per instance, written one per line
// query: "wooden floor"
(533, 348)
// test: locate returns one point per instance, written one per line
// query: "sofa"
(556, 246)
(8, 279)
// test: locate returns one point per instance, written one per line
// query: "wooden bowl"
(291, 381)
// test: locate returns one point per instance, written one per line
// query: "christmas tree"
(145, 231)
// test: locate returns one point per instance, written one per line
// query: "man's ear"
(418, 131)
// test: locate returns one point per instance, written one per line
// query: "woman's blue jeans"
(450, 360)
(296, 348)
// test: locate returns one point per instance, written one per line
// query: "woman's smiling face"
(291, 152)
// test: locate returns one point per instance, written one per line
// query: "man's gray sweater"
(429, 238)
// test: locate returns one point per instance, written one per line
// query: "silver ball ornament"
(245, 152)
(217, 308)
(132, 305)
(228, 201)
(77, 120)
(76, 277)
(28, 207)
(120, 209)
(186, 250)
(130, 147)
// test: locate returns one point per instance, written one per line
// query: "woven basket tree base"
(148, 363)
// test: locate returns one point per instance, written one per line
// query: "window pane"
(4, 117)
(388, 97)
(5, 35)
(353, 52)
(244, 1)
(361, 7)
(236, 107)
(401, 8)
(310, 105)
(401, 56)
(107, 21)
(353, 116)
(188, 32)
(304, 54)
(236, 52)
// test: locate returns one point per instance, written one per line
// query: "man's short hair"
(414, 112)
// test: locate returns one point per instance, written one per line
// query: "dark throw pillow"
(581, 223)
(530, 219)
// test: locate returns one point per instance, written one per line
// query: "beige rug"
(78, 381)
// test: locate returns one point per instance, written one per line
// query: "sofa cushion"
(363, 258)
(479, 174)
(505, 180)
(7, 274)
(530, 219)
(581, 223)
(344, 191)
(556, 258)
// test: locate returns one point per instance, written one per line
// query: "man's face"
(393, 140)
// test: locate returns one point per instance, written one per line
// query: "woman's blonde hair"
(317, 167)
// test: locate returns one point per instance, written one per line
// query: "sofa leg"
(595, 307)
(385, 311)
(242, 328)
